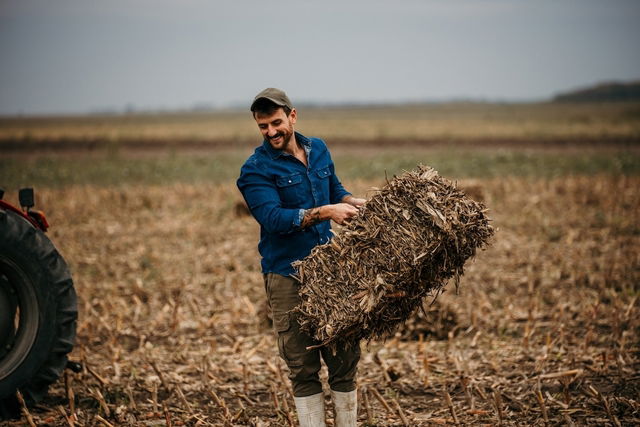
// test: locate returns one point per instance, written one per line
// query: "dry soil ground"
(172, 328)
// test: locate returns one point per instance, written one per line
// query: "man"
(291, 189)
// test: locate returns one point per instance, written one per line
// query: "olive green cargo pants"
(304, 365)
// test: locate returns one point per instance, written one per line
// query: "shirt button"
(289, 181)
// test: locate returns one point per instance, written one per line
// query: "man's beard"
(286, 138)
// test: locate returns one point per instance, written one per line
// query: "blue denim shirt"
(277, 188)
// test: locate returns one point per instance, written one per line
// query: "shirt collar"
(303, 140)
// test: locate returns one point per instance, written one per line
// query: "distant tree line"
(605, 92)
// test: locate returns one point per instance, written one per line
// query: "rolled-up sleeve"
(263, 200)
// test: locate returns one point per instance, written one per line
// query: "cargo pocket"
(288, 341)
(281, 322)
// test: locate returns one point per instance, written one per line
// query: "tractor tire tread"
(33, 242)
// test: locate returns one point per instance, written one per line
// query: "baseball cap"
(274, 95)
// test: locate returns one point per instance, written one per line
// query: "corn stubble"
(544, 331)
(408, 240)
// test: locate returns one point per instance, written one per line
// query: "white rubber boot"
(346, 405)
(310, 410)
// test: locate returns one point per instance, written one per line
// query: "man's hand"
(339, 213)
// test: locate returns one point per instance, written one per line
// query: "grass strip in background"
(490, 163)
(117, 169)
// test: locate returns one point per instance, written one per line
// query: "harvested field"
(172, 328)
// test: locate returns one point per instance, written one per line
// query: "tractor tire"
(38, 312)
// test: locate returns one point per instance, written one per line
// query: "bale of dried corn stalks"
(408, 240)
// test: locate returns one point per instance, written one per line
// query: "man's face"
(277, 128)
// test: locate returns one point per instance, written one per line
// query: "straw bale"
(407, 241)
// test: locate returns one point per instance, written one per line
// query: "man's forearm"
(313, 216)
(339, 213)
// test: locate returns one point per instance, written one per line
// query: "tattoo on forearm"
(311, 217)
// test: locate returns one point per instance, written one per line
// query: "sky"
(78, 56)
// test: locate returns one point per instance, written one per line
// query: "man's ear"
(293, 116)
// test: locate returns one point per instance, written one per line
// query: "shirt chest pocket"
(321, 184)
(324, 172)
(290, 190)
